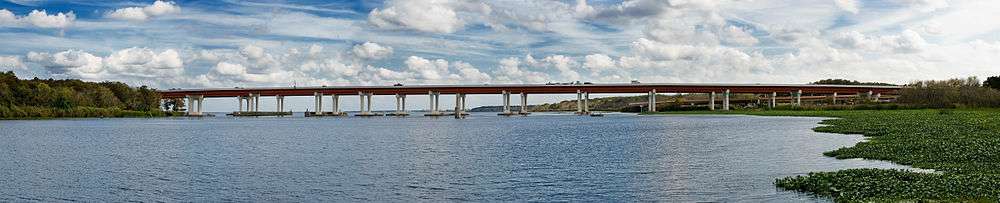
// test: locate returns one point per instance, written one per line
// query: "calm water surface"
(481, 158)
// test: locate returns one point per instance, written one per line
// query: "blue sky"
(189, 44)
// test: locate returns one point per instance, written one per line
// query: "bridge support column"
(579, 102)
(281, 103)
(834, 102)
(725, 100)
(459, 105)
(239, 102)
(434, 104)
(249, 100)
(652, 101)
(878, 96)
(366, 104)
(256, 102)
(194, 105)
(586, 102)
(524, 104)
(711, 101)
(318, 101)
(798, 98)
(505, 96)
(774, 99)
(400, 106)
(335, 110)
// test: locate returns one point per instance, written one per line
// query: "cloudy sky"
(187, 44)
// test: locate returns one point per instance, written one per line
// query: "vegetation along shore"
(952, 127)
(49, 98)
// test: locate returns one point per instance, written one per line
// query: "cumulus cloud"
(37, 18)
(598, 62)
(71, 62)
(10, 63)
(510, 71)
(439, 16)
(143, 62)
(371, 50)
(158, 8)
(907, 41)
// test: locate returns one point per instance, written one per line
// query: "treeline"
(72, 98)
(847, 82)
(969, 92)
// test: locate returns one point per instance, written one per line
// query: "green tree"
(992, 82)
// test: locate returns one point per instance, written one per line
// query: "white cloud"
(511, 72)
(226, 68)
(738, 36)
(565, 65)
(907, 41)
(74, 63)
(923, 5)
(439, 16)
(598, 62)
(158, 8)
(37, 18)
(251, 51)
(43, 20)
(427, 69)
(7, 17)
(143, 62)
(10, 63)
(848, 5)
(371, 50)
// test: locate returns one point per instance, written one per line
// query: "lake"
(542, 157)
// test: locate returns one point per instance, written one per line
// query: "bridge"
(249, 98)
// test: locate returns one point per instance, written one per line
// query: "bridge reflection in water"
(249, 98)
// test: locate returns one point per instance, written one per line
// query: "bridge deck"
(531, 89)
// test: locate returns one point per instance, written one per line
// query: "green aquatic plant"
(961, 145)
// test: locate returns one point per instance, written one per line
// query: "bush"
(950, 94)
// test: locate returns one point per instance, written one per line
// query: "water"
(481, 158)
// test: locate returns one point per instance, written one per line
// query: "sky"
(228, 43)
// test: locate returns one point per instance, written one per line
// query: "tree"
(847, 82)
(992, 82)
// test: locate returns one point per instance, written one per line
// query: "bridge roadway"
(251, 96)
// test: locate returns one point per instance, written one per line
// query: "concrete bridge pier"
(318, 101)
(774, 99)
(435, 98)
(506, 104)
(878, 96)
(524, 104)
(335, 110)
(834, 102)
(582, 102)
(652, 100)
(460, 106)
(280, 102)
(239, 102)
(194, 105)
(711, 101)
(798, 98)
(256, 102)
(725, 100)
(366, 104)
(400, 106)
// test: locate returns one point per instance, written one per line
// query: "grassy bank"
(31, 112)
(963, 144)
